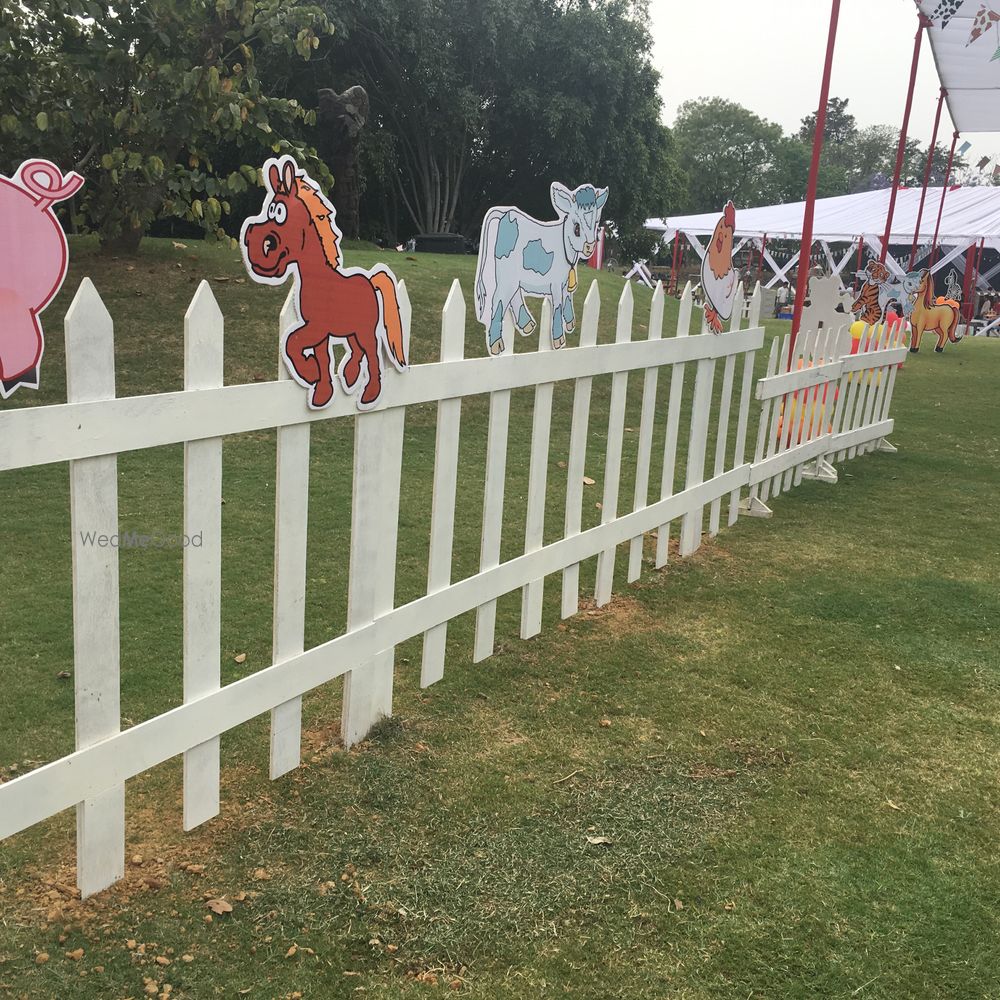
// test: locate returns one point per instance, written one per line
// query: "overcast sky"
(768, 56)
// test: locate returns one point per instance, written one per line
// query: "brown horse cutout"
(296, 233)
(926, 315)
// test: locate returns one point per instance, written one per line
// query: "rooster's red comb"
(729, 214)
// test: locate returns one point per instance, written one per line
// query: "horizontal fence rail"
(818, 404)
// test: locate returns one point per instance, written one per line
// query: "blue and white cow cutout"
(520, 256)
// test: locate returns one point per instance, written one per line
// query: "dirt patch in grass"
(620, 614)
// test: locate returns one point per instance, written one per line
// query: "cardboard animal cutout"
(719, 279)
(953, 287)
(520, 256)
(826, 306)
(926, 315)
(877, 291)
(296, 234)
(33, 261)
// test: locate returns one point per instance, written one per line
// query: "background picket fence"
(845, 398)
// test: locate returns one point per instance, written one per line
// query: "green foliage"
(840, 125)
(476, 102)
(159, 103)
(727, 152)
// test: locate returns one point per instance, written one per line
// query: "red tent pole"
(673, 266)
(760, 262)
(680, 262)
(810, 212)
(944, 194)
(923, 22)
(927, 178)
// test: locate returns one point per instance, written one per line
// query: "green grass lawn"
(789, 741)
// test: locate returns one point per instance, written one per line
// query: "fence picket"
(725, 407)
(378, 459)
(534, 525)
(613, 456)
(773, 436)
(804, 355)
(646, 420)
(90, 374)
(744, 411)
(701, 406)
(449, 416)
(576, 465)
(496, 477)
(673, 425)
(850, 407)
(291, 538)
(203, 338)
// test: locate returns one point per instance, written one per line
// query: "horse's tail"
(487, 253)
(385, 286)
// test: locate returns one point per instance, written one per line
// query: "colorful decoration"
(926, 315)
(808, 413)
(953, 286)
(985, 19)
(520, 256)
(296, 233)
(33, 259)
(719, 279)
(946, 10)
(876, 293)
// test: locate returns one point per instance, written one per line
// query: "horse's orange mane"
(319, 215)
(927, 287)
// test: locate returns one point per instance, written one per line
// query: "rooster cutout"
(719, 279)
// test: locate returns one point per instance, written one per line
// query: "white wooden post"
(613, 457)
(646, 420)
(90, 375)
(203, 333)
(744, 417)
(534, 527)
(378, 458)
(701, 410)
(673, 425)
(449, 415)
(766, 431)
(725, 406)
(291, 537)
(773, 442)
(496, 475)
(576, 466)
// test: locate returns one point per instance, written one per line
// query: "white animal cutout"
(820, 309)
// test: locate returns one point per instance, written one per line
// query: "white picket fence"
(94, 426)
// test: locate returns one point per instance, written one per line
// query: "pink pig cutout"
(33, 260)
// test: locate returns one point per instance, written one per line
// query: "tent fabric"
(970, 214)
(965, 40)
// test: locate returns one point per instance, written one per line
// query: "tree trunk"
(341, 119)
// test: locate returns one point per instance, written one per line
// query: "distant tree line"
(169, 107)
(725, 150)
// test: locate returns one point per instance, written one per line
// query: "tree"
(149, 97)
(726, 152)
(476, 102)
(840, 125)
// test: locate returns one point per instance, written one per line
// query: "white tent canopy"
(965, 40)
(970, 214)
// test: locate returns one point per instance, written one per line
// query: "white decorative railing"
(93, 427)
